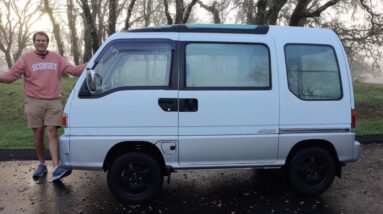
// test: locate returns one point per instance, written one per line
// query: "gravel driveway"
(202, 191)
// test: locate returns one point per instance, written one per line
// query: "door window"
(227, 66)
(133, 66)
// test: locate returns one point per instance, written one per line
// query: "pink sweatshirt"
(42, 75)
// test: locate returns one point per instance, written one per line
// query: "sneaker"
(59, 173)
(40, 171)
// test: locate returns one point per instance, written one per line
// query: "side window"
(313, 72)
(227, 66)
(133, 66)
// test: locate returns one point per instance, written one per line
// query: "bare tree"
(212, 9)
(268, 11)
(99, 9)
(307, 9)
(91, 39)
(71, 15)
(362, 39)
(56, 27)
(15, 28)
(219, 9)
(147, 10)
(129, 14)
(260, 12)
(112, 16)
(182, 11)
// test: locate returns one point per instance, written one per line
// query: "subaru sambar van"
(156, 100)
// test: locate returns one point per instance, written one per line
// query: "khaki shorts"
(41, 113)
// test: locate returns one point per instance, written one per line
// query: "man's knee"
(51, 131)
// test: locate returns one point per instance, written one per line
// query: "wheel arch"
(317, 143)
(134, 146)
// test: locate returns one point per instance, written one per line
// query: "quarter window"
(313, 72)
(227, 66)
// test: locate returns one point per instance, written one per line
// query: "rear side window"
(220, 66)
(313, 72)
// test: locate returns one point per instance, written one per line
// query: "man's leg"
(53, 144)
(38, 139)
(58, 172)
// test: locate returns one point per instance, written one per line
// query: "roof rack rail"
(207, 28)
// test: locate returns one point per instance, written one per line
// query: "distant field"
(15, 134)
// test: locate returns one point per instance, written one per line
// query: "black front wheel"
(311, 170)
(135, 178)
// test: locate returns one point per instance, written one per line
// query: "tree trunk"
(56, 28)
(186, 15)
(275, 9)
(73, 32)
(267, 12)
(212, 9)
(90, 30)
(249, 10)
(168, 16)
(148, 7)
(112, 16)
(182, 12)
(129, 14)
(302, 12)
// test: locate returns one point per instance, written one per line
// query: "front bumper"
(356, 150)
(64, 144)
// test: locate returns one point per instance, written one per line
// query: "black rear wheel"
(311, 170)
(135, 178)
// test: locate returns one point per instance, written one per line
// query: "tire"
(135, 178)
(311, 171)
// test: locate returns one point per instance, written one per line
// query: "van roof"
(207, 28)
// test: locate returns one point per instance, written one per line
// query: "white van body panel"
(232, 128)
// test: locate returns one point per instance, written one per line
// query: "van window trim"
(182, 72)
(337, 64)
(173, 75)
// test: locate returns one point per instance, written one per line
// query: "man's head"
(41, 41)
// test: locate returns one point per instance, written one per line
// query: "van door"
(229, 104)
(133, 77)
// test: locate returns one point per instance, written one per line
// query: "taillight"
(353, 118)
(64, 120)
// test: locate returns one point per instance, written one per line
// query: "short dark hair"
(40, 33)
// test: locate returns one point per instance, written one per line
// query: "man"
(42, 71)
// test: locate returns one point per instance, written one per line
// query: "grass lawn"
(369, 106)
(13, 126)
(15, 134)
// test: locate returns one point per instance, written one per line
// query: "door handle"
(185, 104)
(188, 105)
(168, 104)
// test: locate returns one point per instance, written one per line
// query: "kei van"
(156, 100)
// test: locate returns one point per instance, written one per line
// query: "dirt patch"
(361, 186)
(369, 111)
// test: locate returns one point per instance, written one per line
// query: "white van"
(156, 100)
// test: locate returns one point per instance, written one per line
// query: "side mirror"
(92, 80)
